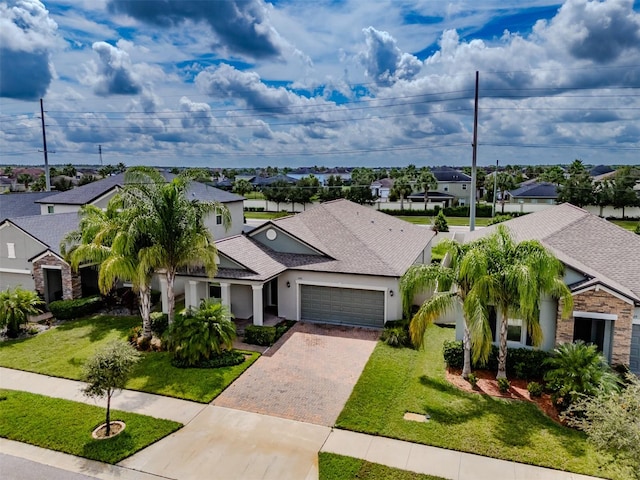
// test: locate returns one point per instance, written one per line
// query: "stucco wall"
(237, 221)
(283, 243)
(242, 301)
(288, 297)
(25, 247)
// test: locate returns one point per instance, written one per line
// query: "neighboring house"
(30, 257)
(602, 269)
(453, 182)
(33, 224)
(535, 192)
(337, 262)
(382, 188)
(600, 171)
(6, 184)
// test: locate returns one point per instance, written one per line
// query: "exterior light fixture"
(288, 284)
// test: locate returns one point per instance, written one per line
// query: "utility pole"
(495, 190)
(44, 145)
(100, 152)
(472, 209)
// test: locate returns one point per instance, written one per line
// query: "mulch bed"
(488, 385)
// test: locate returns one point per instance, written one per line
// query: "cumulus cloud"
(114, 75)
(384, 62)
(242, 26)
(27, 35)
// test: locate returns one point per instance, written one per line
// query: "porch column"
(163, 290)
(225, 295)
(257, 304)
(191, 297)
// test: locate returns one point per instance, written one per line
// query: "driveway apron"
(307, 376)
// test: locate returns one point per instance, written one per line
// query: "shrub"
(396, 337)
(283, 327)
(521, 362)
(15, 307)
(201, 334)
(503, 385)
(81, 307)
(228, 358)
(440, 223)
(159, 323)
(260, 335)
(499, 219)
(577, 370)
(134, 334)
(534, 389)
(473, 380)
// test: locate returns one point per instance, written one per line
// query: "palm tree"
(427, 181)
(453, 285)
(518, 275)
(109, 238)
(173, 224)
(15, 307)
(401, 188)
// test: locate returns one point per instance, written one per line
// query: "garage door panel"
(342, 305)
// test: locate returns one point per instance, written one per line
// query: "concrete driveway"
(307, 376)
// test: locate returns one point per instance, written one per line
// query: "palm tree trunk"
(171, 298)
(502, 354)
(145, 310)
(466, 345)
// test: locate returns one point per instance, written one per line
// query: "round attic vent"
(271, 234)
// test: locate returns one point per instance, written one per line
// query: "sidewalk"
(258, 445)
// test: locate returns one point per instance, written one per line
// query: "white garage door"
(350, 306)
(634, 363)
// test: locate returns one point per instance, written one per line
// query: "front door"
(595, 331)
(52, 284)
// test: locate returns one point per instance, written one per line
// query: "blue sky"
(301, 83)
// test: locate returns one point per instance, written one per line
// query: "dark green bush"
(283, 327)
(227, 358)
(134, 334)
(81, 307)
(396, 337)
(503, 385)
(521, 362)
(159, 323)
(260, 335)
(534, 389)
(473, 380)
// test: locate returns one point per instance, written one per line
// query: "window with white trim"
(50, 208)
(11, 250)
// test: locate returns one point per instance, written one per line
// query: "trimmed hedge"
(159, 323)
(227, 358)
(265, 336)
(81, 307)
(521, 362)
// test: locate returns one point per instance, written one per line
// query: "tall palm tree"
(174, 225)
(428, 181)
(109, 238)
(453, 285)
(402, 188)
(518, 275)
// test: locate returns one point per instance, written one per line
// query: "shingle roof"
(90, 192)
(448, 174)
(357, 239)
(49, 229)
(20, 204)
(539, 190)
(583, 241)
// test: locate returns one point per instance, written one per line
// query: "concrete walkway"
(224, 443)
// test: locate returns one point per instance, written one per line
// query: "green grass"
(626, 224)
(451, 221)
(66, 426)
(62, 352)
(396, 381)
(338, 467)
(265, 215)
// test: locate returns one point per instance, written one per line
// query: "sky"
(243, 83)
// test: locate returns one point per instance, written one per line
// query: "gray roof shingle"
(20, 204)
(583, 241)
(49, 229)
(536, 190)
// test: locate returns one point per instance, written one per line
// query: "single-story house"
(382, 188)
(338, 262)
(602, 270)
(535, 192)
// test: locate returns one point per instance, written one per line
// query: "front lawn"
(66, 426)
(396, 381)
(338, 467)
(62, 352)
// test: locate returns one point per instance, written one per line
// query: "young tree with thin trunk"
(107, 371)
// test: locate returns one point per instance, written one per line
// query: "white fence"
(609, 212)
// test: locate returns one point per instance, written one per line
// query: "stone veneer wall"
(71, 284)
(601, 301)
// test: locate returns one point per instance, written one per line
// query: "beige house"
(602, 269)
(337, 262)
